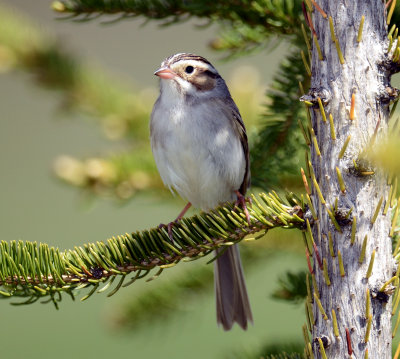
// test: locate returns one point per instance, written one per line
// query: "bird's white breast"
(196, 150)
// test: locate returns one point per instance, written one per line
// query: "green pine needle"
(280, 134)
(292, 287)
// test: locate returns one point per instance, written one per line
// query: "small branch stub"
(321, 57)
(367, 304)
(306, 65)
(343, 150)
(322, 310)
(390, 13)
(305, 182)
(314, 139)
(363, 249)
(332, 29)
(353, 107)
(332, 127)
(331, 249)
(341, 267)
(321, 108)
(322, 349)
(326, 274)
(348, 341)
(322, 12)
(378, 207)
(339, 52)
(316, 186)
(340, 180)
(369, 322)
(335, 324)
(371, 264)
(360, 29)
(353, 230)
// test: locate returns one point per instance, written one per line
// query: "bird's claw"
(177, 220)
(169, 228)
(241, 201)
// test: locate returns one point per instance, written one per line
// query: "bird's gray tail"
(230, 290)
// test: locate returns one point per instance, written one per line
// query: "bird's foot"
(169, 228)
(241, 201)
(173, 223)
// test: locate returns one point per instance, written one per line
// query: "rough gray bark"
(365, 74)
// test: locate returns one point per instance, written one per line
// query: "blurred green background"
(35, 206)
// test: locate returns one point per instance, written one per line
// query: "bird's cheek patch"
(204, 83)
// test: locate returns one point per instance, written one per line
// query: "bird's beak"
(165, 73)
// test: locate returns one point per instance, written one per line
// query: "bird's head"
(189, 74)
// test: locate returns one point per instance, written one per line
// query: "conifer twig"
(36, 270)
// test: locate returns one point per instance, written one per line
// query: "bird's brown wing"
(241, 130)
(232, 112)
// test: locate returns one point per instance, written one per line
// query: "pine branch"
(240, 39)
(83, 87)
(278, 145)
(118, 176)
(396, 13)
(246, 25)
(285, 356)
(278, 16)
(37, 271)
(292, 287)
(279, 350)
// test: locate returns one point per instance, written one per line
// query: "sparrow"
(200, 147)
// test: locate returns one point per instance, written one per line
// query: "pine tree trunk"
(365, 74)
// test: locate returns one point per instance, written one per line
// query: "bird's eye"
(189, 69)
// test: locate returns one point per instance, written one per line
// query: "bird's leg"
(241, 200)
(177, 219)
(183, 212)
